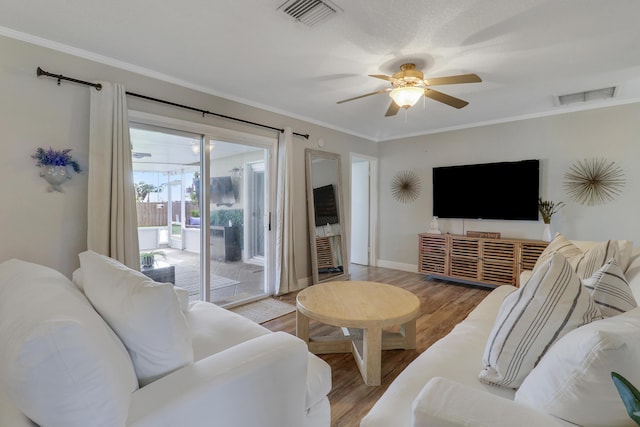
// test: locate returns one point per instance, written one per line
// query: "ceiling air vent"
(587, 96)
(310, 12)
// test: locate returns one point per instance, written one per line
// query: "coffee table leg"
(409, 332)
(302, 327)
(372, 356)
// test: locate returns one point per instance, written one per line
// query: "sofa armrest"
(258, 382)
(446, 403)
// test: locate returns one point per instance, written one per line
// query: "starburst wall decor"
(594, 181)
(405, 186)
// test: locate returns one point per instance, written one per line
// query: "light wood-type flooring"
(443, 305)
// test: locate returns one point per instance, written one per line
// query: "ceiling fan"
(409, 84)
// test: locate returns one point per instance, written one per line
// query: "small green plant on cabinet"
(629, 394)
(547, 208)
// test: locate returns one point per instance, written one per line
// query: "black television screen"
(505, 190)
(222, 192)
(324, 202)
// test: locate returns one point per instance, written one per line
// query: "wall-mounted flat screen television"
(505, 190)
(222, 191)
(324, 202)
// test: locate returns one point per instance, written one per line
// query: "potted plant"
(54, 166)
(148, 259)
(629, 394)
(194, 218)
(547, 208)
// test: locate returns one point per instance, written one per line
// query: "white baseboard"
(411, 268)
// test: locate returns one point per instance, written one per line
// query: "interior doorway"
(363, 213)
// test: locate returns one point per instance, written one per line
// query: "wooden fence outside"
(153, 214)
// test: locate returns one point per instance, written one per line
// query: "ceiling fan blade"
(392, 110)
(362, 96)
(383, 77)
(445, 99)
(451, 80)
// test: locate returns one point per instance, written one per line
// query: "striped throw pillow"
(552, 303)
(560, 244)
(586, 263)
(610, 290)
(590, 261)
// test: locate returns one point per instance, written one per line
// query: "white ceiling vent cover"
(590, 95)
(310, 12)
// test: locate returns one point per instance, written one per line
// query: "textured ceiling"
(526, 51)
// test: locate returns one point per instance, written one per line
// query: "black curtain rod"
(98, 86)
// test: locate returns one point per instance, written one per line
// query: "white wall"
(50, 228)
(558, 141)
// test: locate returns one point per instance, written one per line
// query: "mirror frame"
(310, 155)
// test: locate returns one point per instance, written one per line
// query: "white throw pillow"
(60, 364)
(573, 380)
(551, 303)
(146, 315)
(181, 293)
(610, 290)
(183, 298)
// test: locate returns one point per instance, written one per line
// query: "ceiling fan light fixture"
(406, 96)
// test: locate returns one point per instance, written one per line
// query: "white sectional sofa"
(441, 387)
(64, 364)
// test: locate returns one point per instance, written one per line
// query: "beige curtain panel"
(286, 277)
(112, 228)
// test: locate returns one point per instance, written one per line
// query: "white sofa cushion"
(60, 363)
(530, 320)
(610, 290)
(146, 315)
(573, 380)
(214, 329)
(632, 274)
(446, 403)
(183, 298)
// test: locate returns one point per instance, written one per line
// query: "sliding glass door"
(237, 206)
(204, 216)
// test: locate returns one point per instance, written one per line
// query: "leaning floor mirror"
(327, 228)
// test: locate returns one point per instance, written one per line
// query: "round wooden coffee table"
(367, 306)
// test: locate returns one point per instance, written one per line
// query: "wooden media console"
(477, 259)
